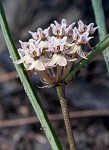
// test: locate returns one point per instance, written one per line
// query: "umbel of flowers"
(50, 53)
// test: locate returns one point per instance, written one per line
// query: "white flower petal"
(56, 23)
(63, 40)
(22, 60)
(34, 35)
(53, 29)
(32, 66)
(32, 46)
(39, 65)
(39, 31)
(81, 26)
(75, 49)
(61, 60)
(46, 32)
(29, 60)
(72, 50)
(93, 30)
(21, 52)
(70, 27)
(52, 61)
(81, 53)
(63, 21)
(75, 33)
(24, 45)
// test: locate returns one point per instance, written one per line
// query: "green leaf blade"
(102, 30)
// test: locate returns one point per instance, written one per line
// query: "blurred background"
(88, 91)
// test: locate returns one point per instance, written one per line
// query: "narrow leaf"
(100, 20)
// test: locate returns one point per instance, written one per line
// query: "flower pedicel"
(52, 56)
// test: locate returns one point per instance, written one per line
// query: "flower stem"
(63, 102)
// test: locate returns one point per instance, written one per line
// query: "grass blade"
(100, 20)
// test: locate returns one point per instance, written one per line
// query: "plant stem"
(63, 102)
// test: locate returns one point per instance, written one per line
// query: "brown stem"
(58, 73)
(46, 77)
(62, 98)
(67, 69)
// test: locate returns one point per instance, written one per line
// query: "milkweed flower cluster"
(50, 53)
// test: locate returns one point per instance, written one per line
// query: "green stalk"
(102, 30)
(100, 47)
(63, 102)
(45, 124)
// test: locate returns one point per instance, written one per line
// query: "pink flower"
(75, 34)
(59, 52)
(83, 28)
(91, 29)
(83, 38)
(80, 38)
(31, 57)
(61, 29)
(40, 34)
(51, 56)
(56, 44)
(76, 49)
(24, 53)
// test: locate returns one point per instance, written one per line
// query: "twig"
(56, 117)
